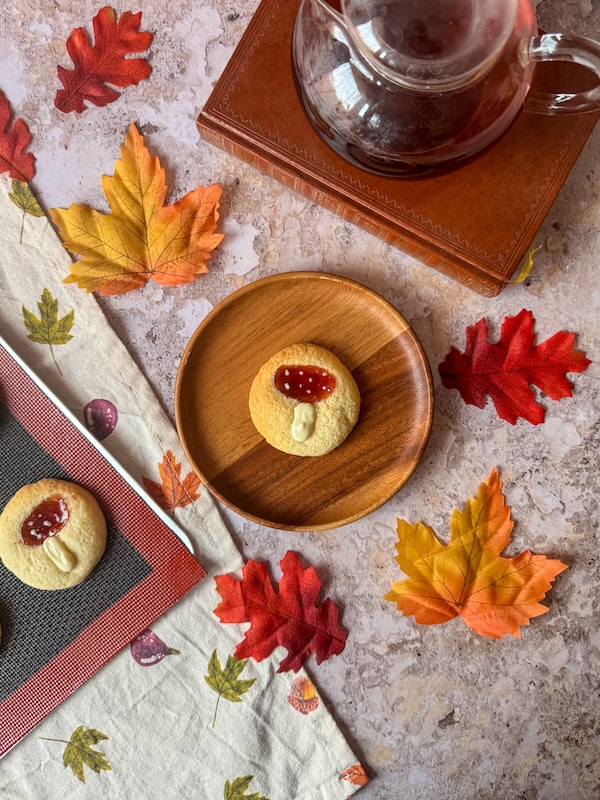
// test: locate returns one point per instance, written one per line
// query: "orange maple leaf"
(468, 576)
(141, 238)
(172, 492)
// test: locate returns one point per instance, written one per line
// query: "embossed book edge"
(465, 272)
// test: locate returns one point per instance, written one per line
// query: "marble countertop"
(431, 711)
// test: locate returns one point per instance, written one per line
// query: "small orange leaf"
(172, 492)
(356, 775)
(141, 239)
(468, 576)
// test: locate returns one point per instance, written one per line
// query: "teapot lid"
(430, 44)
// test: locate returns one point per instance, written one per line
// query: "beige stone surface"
(434, 712)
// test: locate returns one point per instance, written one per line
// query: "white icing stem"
(59, 553)
(304, 421)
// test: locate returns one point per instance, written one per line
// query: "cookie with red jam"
(304, 401)
(52, 534)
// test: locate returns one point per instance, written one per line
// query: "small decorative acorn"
(147, 649)
(303, 695)
(100, 417)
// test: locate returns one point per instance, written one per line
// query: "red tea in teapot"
(402, 86)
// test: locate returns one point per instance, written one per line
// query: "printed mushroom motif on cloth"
(303, 695)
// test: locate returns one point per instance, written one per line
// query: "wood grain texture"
(376, 344)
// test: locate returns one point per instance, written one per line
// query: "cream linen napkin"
(170, 735)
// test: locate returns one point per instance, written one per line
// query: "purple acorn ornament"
(147, 649)
(100, 417)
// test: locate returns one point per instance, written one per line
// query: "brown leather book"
(474, 223)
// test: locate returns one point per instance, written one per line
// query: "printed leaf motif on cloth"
(48, 328)
(236, 790)
(355, 775)
(468, 577)
(172, 492)
(24, 198)
(225, 681)
(80, 752)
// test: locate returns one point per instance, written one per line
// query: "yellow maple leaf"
(468, 576)
(140, 239)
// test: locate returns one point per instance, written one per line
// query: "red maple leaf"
(506, 369)
(105, 62)
(13, 141)
(289, 617)
(172, 492)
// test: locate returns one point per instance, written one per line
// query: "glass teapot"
(405, 86)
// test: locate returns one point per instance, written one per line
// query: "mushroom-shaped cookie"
(304, 401)
(52, 534)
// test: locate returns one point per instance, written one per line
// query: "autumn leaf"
(526, 268)
(356, 775)
(225, 681)
(140, 238)
(104, 63)
(237, 789)
(49, 329)
(506, 369)
(13, 141)
(24, 198)
(289, 617)
(79, 751)
(172, 492)
(468, 577)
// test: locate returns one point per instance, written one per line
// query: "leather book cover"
(474, 223)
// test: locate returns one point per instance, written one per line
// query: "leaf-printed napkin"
(175, 714)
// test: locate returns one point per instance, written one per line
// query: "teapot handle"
(563, 47)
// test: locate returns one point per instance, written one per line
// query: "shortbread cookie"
(304, 401)
(52, 534)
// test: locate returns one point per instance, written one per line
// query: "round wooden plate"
(376, 344)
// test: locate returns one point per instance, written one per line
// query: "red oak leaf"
(289, 617)
(13, 141)
(172, 492)
(104, 63)
(506, 369)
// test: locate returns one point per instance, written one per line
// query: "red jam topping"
(306, 384)
(45, 520)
